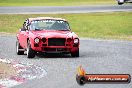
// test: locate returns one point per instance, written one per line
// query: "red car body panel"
(50, 35)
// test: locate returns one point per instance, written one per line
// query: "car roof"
(44, 18)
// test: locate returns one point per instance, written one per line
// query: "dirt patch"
(6, 70)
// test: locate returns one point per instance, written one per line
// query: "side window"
(25, 26)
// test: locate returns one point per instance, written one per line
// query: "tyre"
(30, 53)
(120, 3)
(75, 54)
(19, 49)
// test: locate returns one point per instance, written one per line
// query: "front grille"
(56, 41)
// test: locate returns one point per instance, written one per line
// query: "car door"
(23, 35)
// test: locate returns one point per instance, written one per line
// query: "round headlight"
(76, 41)
(36, 40)
(43, 40)
(69, 40)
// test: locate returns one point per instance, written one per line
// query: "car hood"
(53, 33)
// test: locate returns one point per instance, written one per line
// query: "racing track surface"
(62, 9)
(96, 56)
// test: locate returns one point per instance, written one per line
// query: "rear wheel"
(19, 49)
(75, 54)
(30, 53)
(120, 3)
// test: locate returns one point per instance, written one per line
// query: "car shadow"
(53, 55)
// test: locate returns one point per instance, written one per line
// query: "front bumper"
(66, 49)
(55, 45)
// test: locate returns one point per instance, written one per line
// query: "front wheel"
(120, 3)
(30, 53)
(75, 54)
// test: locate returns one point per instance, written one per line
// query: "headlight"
(43, 40)
(36, 40)
(69, 40)
(76, 41)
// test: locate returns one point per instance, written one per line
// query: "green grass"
(53, 2)
(117, 25)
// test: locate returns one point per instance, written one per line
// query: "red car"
(48, 35)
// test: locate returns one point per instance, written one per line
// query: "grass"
(117, 25)
(53, 2)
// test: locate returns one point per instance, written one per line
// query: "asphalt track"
(96, 56)
(62, 9)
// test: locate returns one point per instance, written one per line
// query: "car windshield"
(49, 25)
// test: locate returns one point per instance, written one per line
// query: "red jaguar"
(47, 35)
